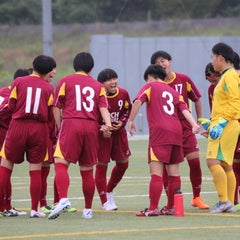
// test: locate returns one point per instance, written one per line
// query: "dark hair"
(43, 64)
(160, 54)
(209, 70)
(236, 61)
(156, 71)
(83, 62)
(20, 72)
(106, 74)
(224, 50)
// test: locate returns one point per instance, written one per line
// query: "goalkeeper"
(223, 128)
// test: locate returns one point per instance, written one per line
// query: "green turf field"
(131, 196)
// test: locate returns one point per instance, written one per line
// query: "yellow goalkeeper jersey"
(226, 97)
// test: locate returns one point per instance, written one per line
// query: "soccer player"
(213, 77)
(236, 160)
(116, 147)
(80, 101)
(5, 118)
(30, 101)
(165, 136)
(185, 86)
(224, 127)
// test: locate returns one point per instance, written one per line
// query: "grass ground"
(131, 196)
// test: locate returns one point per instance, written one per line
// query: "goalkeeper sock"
(220, 181)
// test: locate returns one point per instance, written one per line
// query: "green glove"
(216, 131)
(205, 122)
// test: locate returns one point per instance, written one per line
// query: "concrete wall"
(129, 57)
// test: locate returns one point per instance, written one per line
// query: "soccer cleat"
(166, 211)
(35, 214)
(107, 206)
(46, 209)
(87, 213)
(110, 199)
(19, 212)
(8, 213)
(222, 207)
(61, 206)
(199, 202)
(70, 210)
(237, 207)
(148, 213)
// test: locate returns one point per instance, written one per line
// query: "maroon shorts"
(116, 147)
(190, 143)
(78, 141)
(168, 154)
(51, 148)
(26, 136)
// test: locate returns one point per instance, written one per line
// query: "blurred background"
(120, 34)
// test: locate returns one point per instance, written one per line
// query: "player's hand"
(216, 131)
(117, 125)
(196, 129)
(204, 133)
(131, 127)
(106, 131)
(205, 123)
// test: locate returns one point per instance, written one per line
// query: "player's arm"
(135, 108)
(57, 116)
(191, 120)
(198, 108)
(107, 127)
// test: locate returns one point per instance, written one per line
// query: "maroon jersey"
(163, 104)
(31, 98)
(210, 95)
(119, 106)
(116, 147)
(185, 86)
(5, 113)
(80, 96)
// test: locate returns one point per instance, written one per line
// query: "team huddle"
(57, 127)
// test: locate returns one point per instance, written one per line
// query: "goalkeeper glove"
(216, 131)
(205, 123)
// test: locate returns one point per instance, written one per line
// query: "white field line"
(125, 179)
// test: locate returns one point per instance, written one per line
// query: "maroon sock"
(195, 176)
(236, 169)
(101, 181)
(174, 183)
(88, 187)
(62, 179)
(55, 190)
(155, 191)
(44, 172)
(8, 196)
(5, 174)
(35, 188)
(165, 180)
(116, 175)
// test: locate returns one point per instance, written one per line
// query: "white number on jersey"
(169, 108)
(178, 88)
(29, 100)
(89, 95)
